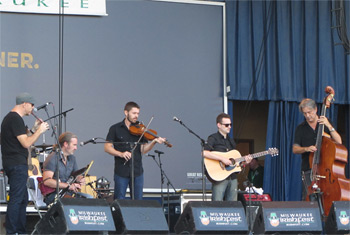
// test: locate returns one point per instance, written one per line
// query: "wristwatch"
(332, 129)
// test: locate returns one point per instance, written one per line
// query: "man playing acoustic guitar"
(221, 142)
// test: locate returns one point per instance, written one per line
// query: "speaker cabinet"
(76, 215)
(3, 198)
(338, 221)
(139, 217)
(288, 218)
(212, 217)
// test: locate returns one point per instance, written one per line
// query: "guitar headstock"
(273, 151)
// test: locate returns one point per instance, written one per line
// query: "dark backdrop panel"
(165, 56)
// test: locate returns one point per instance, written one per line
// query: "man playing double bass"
(305, 137)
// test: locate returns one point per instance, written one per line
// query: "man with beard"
(120, 145)
(305, 137)
(67, 164)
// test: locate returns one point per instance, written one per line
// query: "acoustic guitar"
(33, 165)
(217, 171)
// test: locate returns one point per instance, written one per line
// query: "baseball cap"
(25, 98)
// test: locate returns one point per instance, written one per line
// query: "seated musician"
(67, 164)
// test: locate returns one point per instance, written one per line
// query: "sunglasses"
(226, 125)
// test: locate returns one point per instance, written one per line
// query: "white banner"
(68, 7)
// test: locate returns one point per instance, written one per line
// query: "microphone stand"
(249, 184)
(63, 113)
(203, 143)
(161, 178)
(59, 150)
(162, 175)
(250, 214)
(133, 146)
(54, 134)
(132, 160)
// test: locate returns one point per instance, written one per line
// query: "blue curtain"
(285, 50)
(282, 173)
(282, 52)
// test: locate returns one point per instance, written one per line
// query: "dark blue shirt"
(64, 170)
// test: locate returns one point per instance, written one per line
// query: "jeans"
(16, 207)
(224, 190)
(121, 184)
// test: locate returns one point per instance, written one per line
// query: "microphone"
(42, 106)
(88, 141)
(177, 120)
(159, 152)
(150, 155)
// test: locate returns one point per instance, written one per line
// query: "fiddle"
(149, 134)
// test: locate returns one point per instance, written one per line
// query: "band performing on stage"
(60, 183)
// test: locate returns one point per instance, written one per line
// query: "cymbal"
(43, 146)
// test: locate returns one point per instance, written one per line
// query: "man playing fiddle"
(120, 145)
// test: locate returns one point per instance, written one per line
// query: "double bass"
(328, 181)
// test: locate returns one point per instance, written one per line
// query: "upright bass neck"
(316, 155)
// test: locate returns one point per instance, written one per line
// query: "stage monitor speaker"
(288, 218)
(139, 216)
(76, 215)
(212, 217)
(338, 221)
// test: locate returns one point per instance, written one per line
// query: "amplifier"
(2, 187)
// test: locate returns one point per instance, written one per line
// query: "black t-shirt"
(12, 151)
(217, 142)
(305, 136)
(120, 133)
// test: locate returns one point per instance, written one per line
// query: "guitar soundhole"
(232, 166)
